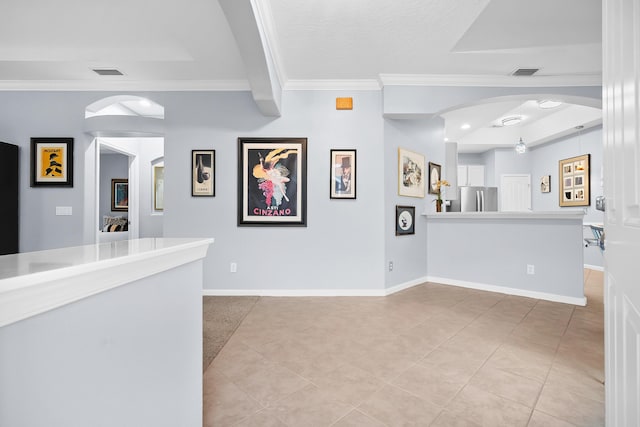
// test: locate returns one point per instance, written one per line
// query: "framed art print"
(203, 163)
(545, 184)
(272, 182)
(343, 174)
(119, 195)
(410, 173)
(51, 162)
(434, 177)
(574, 180)
(405, 220)
(158, 188)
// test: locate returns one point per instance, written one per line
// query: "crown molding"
(127, 85)
(364, 84)
(480, 80)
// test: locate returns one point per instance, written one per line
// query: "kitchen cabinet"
(471, 175)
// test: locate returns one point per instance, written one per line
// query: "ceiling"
(250, 44)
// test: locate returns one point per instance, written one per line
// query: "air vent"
(525, 71)
(108, 72)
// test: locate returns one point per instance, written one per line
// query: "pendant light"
(520, 147)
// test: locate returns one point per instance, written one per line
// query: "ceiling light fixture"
(446, 139)
(520, 147)
(145, 103)
(510, 121)
(549, 103)
(465, 126)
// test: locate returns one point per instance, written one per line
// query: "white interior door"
(515, 193)
(621, 93)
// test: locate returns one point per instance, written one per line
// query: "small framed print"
(574, 181)
(434, 177)
(158, 188)
(545, 184)
(410, 173)
(119, 195)
(405, 220)
(343, 174)
(203, 163)
(51, 162)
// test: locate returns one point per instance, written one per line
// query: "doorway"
(515, 193)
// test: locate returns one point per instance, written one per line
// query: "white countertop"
(572, 214)
(34, 282)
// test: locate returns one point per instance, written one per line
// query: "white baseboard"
(296, 292)
(509, 291)
(594, 267)
(405, 285)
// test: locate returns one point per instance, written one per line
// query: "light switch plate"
(64, 210)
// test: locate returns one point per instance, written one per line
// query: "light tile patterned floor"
(432, 355)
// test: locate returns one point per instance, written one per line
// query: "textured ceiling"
(195, 44)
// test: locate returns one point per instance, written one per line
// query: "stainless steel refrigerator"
(475, 199)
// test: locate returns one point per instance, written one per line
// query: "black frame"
(114, 183)
(433, 166)
(203, 172)
(401, 214)
(65, 144)
(260, 201)
(335, 187)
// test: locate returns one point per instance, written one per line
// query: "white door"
(621, 116)
(515, 193)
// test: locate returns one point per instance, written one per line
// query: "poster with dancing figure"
(272, 179)
(51, 162)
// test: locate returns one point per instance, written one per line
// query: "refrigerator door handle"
(481, 200)
(478, 205)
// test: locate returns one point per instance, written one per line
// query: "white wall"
(409, 252)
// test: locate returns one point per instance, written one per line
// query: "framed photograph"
(405, 220)
(119, 194)
(203, 163)
(434, 177)
(574, 181)
(51, 162)
(343, 174)
(410, 173)
(545, 184)
(158, 188)
(272, 182)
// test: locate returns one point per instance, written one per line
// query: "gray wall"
(342, 246)
(409, 252)
(112, 165)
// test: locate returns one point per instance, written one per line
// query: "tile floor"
(431, 355)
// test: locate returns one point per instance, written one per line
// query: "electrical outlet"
(390, 265)
(233, 267)
(531, 269)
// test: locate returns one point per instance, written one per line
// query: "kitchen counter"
(506, 215)
(88, 331)
(533, 254)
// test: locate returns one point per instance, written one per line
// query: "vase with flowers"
(438, 187)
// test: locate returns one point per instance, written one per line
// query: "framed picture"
(343, 174)
(119, 194)
(272, 182)
(203, 163)
(434, 177)
(410, 173)
(51, 162)
(545, 184)
(405, 220)
(158, 188)
(574, 181)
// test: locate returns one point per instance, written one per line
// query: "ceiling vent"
(107, 72)
(525, 71)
